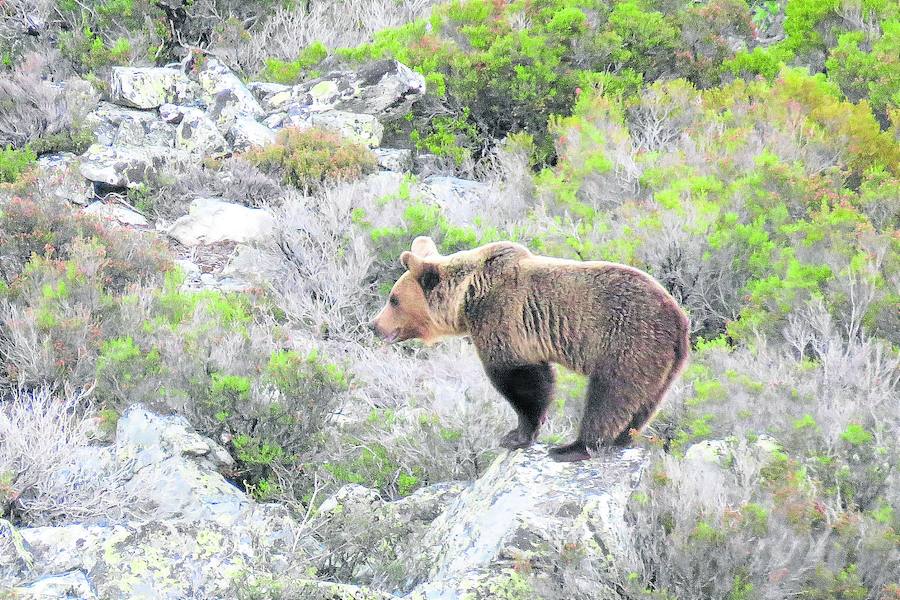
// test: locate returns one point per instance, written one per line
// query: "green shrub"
(309, 158)
(288, 72)
(14, 162)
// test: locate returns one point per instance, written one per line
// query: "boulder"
(196, 133)
(394, 159)
(462, 200)
(197, 535)
(128, 127)
(226, 95)
(262, 89)
(60, 172)
(385, 88)
(122, 166)
(149, 87)
(360, 128)
(116, 213)
(246, 134)
(523, 511)
(212, 220)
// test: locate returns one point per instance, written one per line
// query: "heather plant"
(42, 482)
(43, 115)
(306, 159)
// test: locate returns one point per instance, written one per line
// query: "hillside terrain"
(202, 205)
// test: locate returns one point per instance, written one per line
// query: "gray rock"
(226, 95)
(116, 212)
(394, 159)
(69, 586)
(191, 490)
(196, 133)
(149, 87)
(246, 133)
(212, 220)
(250, 266)
(61, 174)
(261, 89)
(122, 166)
(361, 128)
(386, 89)
(170, 113)
(523, 507)
(128, 127)
(462, 200)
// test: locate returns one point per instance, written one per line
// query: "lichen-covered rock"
(361, 128)
(116, 213)
(394, 159)
(191, 534)
(385, 88)
(171, 559)
(68, 586)
(122, 166)
(262, 89)
(226, 95)
(212, 220)
(149, 87)
(60, 173)
(196, 133)
(157, 448)
(522, 511)
(246, 134)
(114, 125)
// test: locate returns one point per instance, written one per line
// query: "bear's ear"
(423, 246)
(411, 262)
(426, 273)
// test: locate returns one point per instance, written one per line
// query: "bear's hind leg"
(640, 419)
(607, 412)
(529, 389)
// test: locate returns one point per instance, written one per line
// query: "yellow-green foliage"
(308, 158)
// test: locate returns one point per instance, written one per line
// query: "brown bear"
(613, 323)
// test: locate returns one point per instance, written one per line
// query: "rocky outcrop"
(117, 213)
(213, 220)
(126, 166)
(385, 88)
(520, 515)
(149, 87)
(190, 533)
(197, 134)
(226, 95)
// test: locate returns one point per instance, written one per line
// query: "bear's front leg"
(529, 389)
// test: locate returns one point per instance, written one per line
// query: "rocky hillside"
(202, 204)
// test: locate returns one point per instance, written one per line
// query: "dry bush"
(662, 114)
(46, 115)
(289, 30)
(234, 178)
(322, 266)
(49, 469)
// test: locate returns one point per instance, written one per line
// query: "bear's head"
(421, 302)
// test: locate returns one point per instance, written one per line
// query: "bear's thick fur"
(613, 323)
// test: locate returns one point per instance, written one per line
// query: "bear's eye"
(394, 300)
